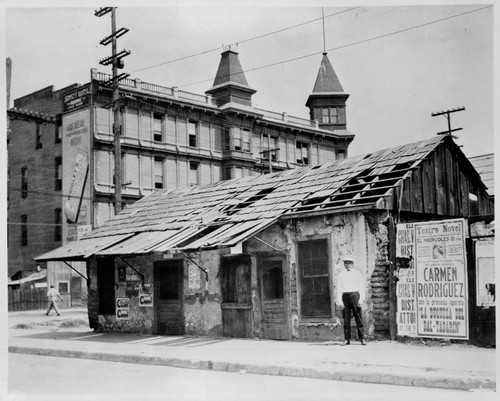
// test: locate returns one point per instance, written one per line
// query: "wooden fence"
(29, 299)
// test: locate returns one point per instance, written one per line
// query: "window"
(192, 128)
(58, 225)
(340, 154)
(194, 176)
(302, 153)
(241, 139)
(63, 287)
(227, 139)
(24, 182)
(58, 185)
(38, 136)
(314, 279)
(226, 173)
(158, 173)
(24, 229)
(272, 279)
(329, 115)
(157, 129)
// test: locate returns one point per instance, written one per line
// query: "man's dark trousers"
(351, 302)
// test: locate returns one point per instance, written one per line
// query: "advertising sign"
(146, 295)
(406, 316)
(122, 308)
(441, 279)
(485, 273)
(76, 192)
(76, 99)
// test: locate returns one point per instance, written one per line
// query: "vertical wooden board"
(417, 200)
(406, 195)
(451, 184)
(429, 186)
(439, 157)
(464, 194)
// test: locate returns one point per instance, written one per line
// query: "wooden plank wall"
(30, 299)
(441, 186)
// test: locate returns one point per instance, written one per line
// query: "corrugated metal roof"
(82, 249)
(140, 243)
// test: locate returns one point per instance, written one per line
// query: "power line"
(353, 43)
(246, 40)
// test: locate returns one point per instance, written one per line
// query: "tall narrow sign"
(441, 279)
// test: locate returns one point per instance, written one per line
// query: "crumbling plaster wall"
(361, 235)
(202, 310)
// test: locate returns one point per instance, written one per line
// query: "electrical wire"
(246, 40)
(350, 44)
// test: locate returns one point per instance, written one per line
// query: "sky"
(399, 64)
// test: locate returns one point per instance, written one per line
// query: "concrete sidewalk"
(459, 367)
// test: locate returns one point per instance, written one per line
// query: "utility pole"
(116, 62)
(447, 115)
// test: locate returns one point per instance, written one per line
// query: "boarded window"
(145, 120)
(194, 175)
(192, 128)
(106, 286)
(132, 124)
(63, 287)
(314, 279)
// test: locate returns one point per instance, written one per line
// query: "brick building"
(169, 139)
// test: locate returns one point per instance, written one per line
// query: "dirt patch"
(52, 325)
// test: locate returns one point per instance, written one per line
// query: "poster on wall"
(406, 316)
(146, 295)
(441, 279)
(122, 308)
(485, 273)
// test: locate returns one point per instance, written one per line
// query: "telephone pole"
(447, 115)
(116, 61)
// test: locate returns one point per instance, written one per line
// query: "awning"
(82, 249)
(33, 277)
(140, 243)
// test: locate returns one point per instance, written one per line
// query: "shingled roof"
(228, 212)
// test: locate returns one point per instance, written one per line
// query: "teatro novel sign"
(440, 279)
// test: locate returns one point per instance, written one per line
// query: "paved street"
(43, 375)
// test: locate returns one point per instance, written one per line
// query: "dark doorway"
(236, 297)
(271, 280)
(168, 289)
(106, 285)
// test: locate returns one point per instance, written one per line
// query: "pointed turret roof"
(327, 80)
(230, 72)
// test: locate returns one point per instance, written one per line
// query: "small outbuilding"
(258, 257)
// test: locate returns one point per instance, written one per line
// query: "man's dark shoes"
(363, 342)
(345, 342)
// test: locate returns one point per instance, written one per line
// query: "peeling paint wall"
(362, 236)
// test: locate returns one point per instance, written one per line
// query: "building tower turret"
(230, 84)
(327, 101)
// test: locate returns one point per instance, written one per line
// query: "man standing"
(52, 296)
(350, 294)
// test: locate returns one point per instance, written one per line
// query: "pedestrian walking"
(52, 296)
(350, 295)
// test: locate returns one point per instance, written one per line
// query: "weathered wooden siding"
(441, 185)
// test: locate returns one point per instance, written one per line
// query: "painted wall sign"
(485, 273)
(76, 149)
(441, 279)
(76, 99)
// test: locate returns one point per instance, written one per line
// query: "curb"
(376, 374)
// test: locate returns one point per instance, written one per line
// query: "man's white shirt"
(350, 281)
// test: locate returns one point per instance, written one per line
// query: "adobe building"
(169, 139)
(259, 257)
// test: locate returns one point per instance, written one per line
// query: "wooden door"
(274, 320)
(236, 297)
(168, 284)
